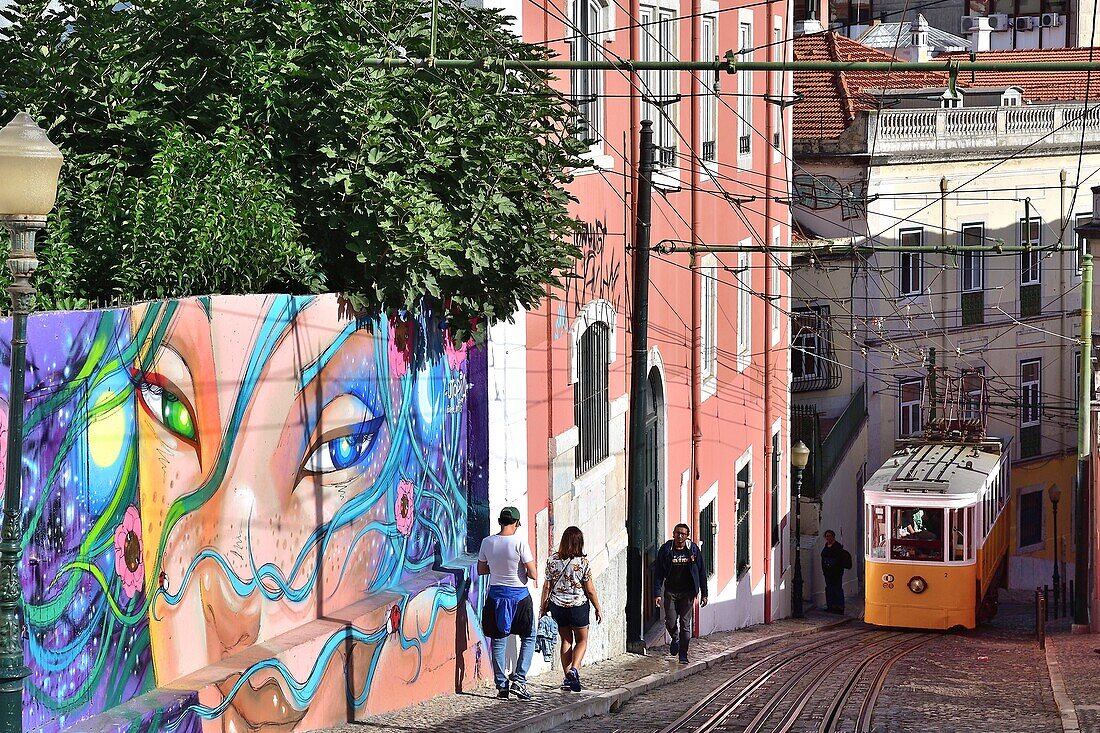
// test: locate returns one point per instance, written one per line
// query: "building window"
(909, 413)
(777, 88)
(708, 330)
(659, 87)
(775, 488)
(1082, 243)
(708, 535)
(912, 263)
(813, 366)
(973, 263)
(973, 276)
(973, 388)
(1030, 408)
(590, 397)
(744, 309)
(1031, 518)
(808, 347)
(744, 92)
(1030, 265)
(708, 104)
(744, 484)
(586, 82)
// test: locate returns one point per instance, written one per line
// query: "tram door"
(652, 492)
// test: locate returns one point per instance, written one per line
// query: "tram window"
(958, 535)
(917, 535)
(878, 532)
(969, 531)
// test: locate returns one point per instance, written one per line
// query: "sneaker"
(567, 683)
(683, 659)
(673, 647)
(519, 689)
(574, 680)
(502, 693)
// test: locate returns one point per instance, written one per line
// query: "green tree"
(245, 145)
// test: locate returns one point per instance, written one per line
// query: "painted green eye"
(167, 409)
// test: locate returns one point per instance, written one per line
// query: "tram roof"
(937, 468)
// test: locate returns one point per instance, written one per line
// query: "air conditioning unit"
(999, 22)
(1025, 23)
(1050, 20)
(975, 23)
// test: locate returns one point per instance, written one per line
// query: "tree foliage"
(245, 145)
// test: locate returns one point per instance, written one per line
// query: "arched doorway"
(652, 487)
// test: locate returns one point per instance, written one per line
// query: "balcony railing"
(709, 149)
(964, 128)
(744, 144)
(841, 434)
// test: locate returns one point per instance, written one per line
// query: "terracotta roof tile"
(1038, 86)
(830, 100)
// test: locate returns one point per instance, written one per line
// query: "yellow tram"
(936, 533)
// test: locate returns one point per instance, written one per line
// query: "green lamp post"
(29, 167)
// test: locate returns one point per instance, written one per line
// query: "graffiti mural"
(599, 269)
(204, 477)
(821, 192)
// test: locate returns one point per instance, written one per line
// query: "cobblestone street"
(991, 680)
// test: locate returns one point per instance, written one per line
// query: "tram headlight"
(917, 584)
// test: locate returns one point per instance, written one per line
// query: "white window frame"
(1031, 391)
(588, 48)
(708, 326)
(1031, 263)
(744, 92)
(972, 266)
(659, 41)
(971, 397)
(744, 307)
(778, 50)
(1082, 243)
(911, 263)
(909, 412)
(708, 102)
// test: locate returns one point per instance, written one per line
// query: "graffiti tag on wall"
(822, 192)
(599, 275)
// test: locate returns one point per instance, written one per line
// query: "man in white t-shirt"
(508, 560)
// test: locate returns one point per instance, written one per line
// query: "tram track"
(805, 672)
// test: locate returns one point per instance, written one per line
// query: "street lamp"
(29, 166)
(1055, 494)
(800, 457)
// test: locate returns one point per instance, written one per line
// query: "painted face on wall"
(282, 458)
(205, 475)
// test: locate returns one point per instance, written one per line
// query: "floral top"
(566, 579)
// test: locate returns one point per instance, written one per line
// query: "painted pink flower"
(455, 356)
(403, 506)
(401, 341)
(128, 562)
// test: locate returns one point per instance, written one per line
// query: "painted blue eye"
(345, 451)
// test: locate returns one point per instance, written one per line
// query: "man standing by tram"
(834, 561)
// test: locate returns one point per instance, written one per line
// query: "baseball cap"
(510, 513)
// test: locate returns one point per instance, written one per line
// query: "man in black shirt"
(680, 573)
(834, 561)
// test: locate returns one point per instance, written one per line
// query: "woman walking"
(568, 593)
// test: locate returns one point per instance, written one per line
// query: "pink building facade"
(717, 370)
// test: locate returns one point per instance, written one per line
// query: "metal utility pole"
(639, 325)
(1084, 442)
(932, 396)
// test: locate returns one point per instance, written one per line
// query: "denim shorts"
(573, 616)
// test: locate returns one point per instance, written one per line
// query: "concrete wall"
(253, 502)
